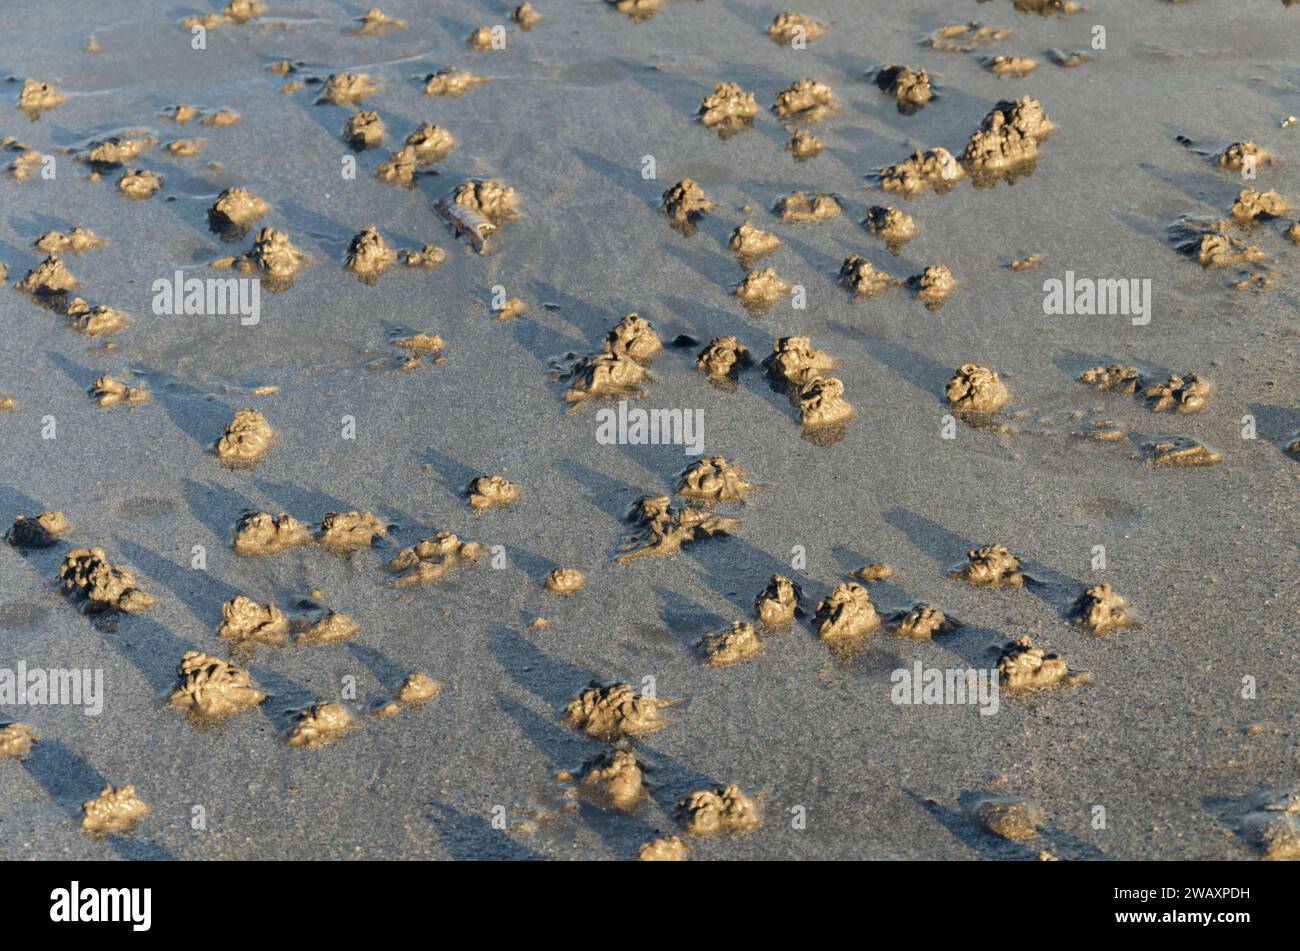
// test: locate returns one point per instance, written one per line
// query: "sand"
(1206, 555)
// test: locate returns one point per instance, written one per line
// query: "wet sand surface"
(1207, 557)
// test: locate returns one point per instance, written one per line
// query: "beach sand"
(1206, 557)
